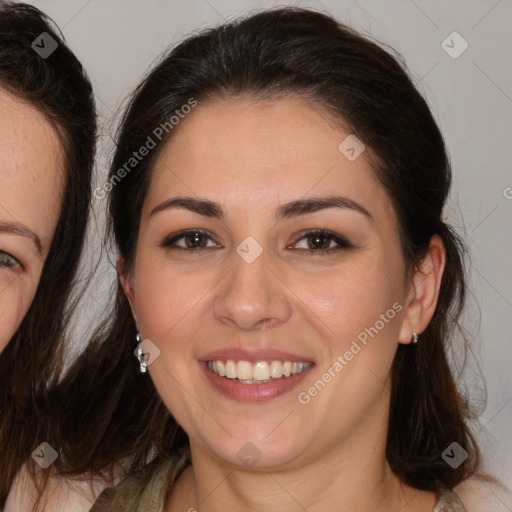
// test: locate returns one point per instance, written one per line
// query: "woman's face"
(30, 192)
(230, 268)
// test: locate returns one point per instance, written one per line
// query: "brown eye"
(322, 241)
(318, 241)
(191, 239)
(195, 240)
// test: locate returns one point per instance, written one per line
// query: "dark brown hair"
(32, 361)
(109, 412)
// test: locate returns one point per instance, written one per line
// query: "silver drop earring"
(415, 338)
(139, 354)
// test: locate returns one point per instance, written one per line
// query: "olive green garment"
(131, 496)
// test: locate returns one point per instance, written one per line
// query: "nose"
(252, 296)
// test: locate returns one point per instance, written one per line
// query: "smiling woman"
(287, 234)
(47, 126)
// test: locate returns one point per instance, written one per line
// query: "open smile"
(254, 381)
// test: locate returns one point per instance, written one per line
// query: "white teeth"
(276, 369)
(260, 371)
(230, 370)
(244, 370)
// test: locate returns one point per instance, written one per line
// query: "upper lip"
(253, 356)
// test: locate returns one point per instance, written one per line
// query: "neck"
(353, 476)
(208, 489)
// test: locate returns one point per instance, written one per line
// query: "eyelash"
(7, 259)
(343, 243)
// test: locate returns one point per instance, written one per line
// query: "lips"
(255, 375)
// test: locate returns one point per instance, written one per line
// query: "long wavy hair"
(109, 414)
(32, 361)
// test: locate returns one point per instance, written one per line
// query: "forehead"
(255, 152)
(261, 135)
(31, 163)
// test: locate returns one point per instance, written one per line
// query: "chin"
(256, 453)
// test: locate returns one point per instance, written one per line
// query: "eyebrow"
(21, 230)
(209, 208)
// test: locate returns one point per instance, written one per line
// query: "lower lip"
(253, 392)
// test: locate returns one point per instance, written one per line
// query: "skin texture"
(251, 158)
(30, 193)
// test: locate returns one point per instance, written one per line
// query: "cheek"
(171, 314)
(168, 303)
(351, 299)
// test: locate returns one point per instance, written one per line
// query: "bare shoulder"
(481, 494)
(61, 495)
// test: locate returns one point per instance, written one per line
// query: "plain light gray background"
(470, 96)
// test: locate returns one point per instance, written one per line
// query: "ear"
(126, 283)
(423, 293)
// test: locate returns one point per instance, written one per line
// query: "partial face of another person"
(259, 278)
(31, 184)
